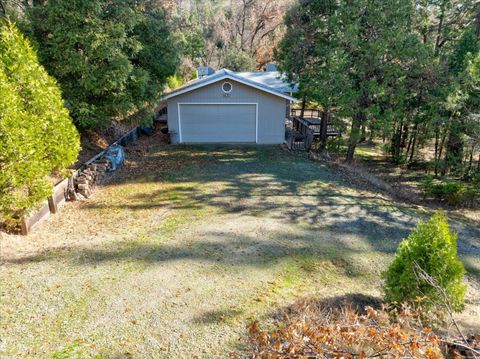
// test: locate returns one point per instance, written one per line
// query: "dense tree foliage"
(310, 55)
(402, 71)
(109, 58)
(37, 135)
(238, 60)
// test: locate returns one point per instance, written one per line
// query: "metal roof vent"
(204, 71)
(271, 67)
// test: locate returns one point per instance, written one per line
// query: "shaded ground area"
(186, 245)
(408, 179)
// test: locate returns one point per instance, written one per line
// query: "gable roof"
(270, 82)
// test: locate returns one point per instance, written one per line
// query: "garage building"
(230, 107)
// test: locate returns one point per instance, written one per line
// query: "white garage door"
(221, 123)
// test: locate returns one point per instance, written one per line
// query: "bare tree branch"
(422, 275)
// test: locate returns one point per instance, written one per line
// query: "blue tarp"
(146, 130)
(116, 155)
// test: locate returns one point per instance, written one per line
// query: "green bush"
(174, 81)
(452, 192)
(472, 195)
(433, 246)
(337, 145)
(36, 133)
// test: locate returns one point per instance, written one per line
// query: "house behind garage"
(230, 107)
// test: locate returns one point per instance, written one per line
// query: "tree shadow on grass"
(251, 181)
(218, 316)
(262, 181)
(220, 248)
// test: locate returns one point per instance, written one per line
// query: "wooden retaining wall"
(62, 190)
(35, 218)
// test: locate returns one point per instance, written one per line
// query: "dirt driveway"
(186, 245)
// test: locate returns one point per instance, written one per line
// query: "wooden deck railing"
(300, 136)
(313, 119)
(307, 113)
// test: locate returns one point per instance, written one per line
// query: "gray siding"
(271, 108)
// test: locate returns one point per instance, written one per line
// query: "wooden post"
(324, 128)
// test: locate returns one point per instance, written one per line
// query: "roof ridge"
(226, 73)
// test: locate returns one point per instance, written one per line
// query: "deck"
(303, 130)
(315, 124)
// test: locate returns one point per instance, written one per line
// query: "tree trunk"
(304, 102)
(477, 21)
(439, 30)
(410, 141)
(363, 136)
(354, 135)
(414, 142)
(404, 135)
(454, 153)
(437, 143)
(470, 162)
(323, 129)
(442, 145)
(396, 147)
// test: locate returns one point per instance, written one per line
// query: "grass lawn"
(186, 245)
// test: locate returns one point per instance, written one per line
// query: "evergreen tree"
(238, 60)
(36, 133)
(311, 54)
(379, 41)
(109, 57)
(461, 99)
(433, 247)
(353, 58)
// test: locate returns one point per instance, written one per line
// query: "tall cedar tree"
(37, 135)
(351, 57)
(109, 57)
(378, 38)
(311, 54)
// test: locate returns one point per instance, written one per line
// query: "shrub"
(452, 192)
(174, 81)
(337, 145)
(433, 246)
(472, 195)
(36, 133)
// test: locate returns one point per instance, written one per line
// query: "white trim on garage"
(230, 76)
(217, 103)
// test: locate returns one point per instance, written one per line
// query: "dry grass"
(309, 329)
(186, 245)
